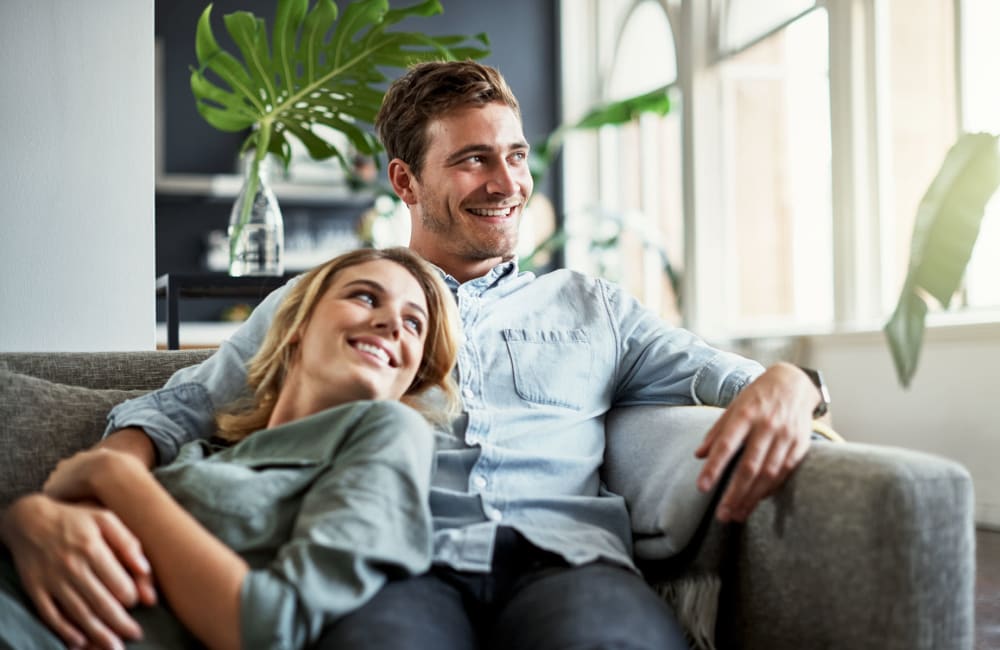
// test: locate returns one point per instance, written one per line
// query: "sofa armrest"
(864, 547)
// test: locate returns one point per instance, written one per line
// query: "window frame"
(863, 274)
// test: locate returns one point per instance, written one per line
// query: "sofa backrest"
(53, 404)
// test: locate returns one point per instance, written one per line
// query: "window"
(785, 183)
(775, 159)
(918, 118)
(630, 227)
(980, 95)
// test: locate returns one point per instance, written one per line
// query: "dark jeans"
(531, 600)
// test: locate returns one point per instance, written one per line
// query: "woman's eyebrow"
(368, 283)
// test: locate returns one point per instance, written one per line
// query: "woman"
(324, 493)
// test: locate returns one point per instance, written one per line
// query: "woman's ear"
(403, 181)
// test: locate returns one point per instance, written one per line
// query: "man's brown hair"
(428, 91)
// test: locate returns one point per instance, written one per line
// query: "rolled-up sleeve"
(722, 378)
(184, 409)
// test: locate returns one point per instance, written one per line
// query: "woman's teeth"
(373, 349)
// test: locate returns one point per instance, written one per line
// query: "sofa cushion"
(42, 422)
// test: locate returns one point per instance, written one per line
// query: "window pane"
(641, 172)
(981, 112)
(746, 20)
(919, 118)
(645, 57)
(775, 107)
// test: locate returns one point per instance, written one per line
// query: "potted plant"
(944, 233)
(320, 71)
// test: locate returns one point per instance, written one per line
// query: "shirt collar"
(499, 274)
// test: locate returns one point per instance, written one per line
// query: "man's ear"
(403, 181)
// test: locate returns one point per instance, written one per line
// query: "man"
(529, 552)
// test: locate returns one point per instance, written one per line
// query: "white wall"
(952, 408)
(76, 175)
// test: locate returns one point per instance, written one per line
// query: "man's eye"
(475, 160)
(519, 156)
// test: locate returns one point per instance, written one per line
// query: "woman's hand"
(81, 567)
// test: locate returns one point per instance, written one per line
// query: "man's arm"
(768, 413)
(771, 420)
(78, 563)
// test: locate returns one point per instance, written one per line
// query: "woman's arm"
(200, 577)
(79, 565)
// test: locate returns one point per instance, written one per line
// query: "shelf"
(227, 186)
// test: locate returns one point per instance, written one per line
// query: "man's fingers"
(724, 446)
(769, 474)
(747, 471)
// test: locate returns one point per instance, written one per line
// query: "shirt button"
(494, 514)
(467, 393)
(479, 481)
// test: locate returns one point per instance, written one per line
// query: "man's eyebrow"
(471, 149)
(372, 284)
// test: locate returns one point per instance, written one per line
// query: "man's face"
(466, 205)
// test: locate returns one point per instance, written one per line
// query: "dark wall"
(524, 47)
(522, 41)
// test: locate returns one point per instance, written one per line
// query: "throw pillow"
(42, 422)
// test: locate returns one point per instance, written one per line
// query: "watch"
(816, 377)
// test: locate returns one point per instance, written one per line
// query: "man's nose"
(503, 181)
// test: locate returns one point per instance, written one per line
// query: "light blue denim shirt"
(541, 363)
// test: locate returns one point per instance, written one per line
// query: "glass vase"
(256, 229)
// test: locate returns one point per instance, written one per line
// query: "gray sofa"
(864, 547)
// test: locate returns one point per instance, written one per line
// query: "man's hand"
(81, 567)
(772, 420)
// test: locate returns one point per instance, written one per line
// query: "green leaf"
(616, 113)
(626, 110)
(944, 233)
(320, 67)
(248, 32)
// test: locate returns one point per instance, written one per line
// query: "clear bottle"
(256, 229)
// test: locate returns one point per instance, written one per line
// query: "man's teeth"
(373, 349)
(487, 212)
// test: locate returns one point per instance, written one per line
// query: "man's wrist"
(816, 378)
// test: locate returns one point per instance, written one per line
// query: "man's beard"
(502, 245)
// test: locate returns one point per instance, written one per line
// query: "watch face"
(816, 377)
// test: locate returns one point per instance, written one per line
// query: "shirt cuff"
(170, 417)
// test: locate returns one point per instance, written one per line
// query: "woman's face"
(365, 336)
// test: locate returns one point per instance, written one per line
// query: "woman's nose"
(388, 321)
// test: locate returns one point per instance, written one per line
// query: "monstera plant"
(944, 233)
(320, 69)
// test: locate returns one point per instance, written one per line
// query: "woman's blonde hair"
(267, 370)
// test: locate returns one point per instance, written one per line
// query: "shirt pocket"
(551, 367)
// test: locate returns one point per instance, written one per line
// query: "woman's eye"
(365, 297)
(414, 324)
